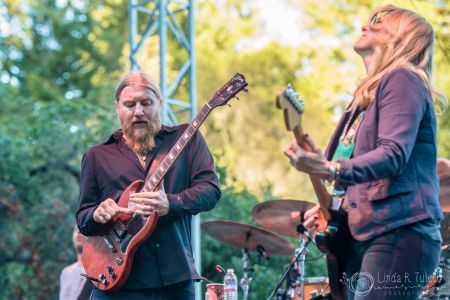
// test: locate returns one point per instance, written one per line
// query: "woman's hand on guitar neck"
(313, 163)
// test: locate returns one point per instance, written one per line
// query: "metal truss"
(172, 21)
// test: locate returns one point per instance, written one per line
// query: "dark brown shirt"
(191, 186)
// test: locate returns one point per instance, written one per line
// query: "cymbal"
(444, 193)
(281, 216)
(248, 237)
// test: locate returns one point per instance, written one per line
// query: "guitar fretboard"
(164, 166)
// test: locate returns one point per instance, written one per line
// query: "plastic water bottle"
(230, 286)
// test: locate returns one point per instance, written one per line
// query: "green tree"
(59, 64)
(59, 61)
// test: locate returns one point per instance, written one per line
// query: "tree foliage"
(59, 61)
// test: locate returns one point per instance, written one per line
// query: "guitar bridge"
(336, 199)
(336, 203)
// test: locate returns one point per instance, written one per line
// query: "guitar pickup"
(119, 231)
(109, 243)
(118, 235)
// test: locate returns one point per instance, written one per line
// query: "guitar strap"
(347, 138)
(158, 157)
(345, 149)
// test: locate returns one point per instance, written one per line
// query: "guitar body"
(109, 257)
(333, 242)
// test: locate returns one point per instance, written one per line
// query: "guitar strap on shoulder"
(159, 156)
(345, 150)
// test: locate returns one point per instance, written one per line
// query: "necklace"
(142, 158)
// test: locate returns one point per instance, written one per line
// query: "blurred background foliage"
(59, 62)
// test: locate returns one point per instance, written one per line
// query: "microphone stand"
(299, 256)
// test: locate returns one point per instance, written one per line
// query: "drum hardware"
(298, 262)
(286, 217)
(247, 274)
(439, 285)
(248, 238)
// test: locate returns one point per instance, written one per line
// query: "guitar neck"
(319, 188)
(155, 179)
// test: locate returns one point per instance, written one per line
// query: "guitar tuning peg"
(229, 105)
(245, 90)
(237, 98)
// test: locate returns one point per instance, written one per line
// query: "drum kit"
(283, 217)
(439, 286)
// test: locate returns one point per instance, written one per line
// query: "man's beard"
(142, 139)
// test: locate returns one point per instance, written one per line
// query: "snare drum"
(314, 287)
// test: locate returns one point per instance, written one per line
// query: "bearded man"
(163, 266)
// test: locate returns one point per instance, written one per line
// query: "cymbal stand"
(300, 265)
(299, 258)
(247, 271)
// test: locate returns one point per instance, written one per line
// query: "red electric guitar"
(331, 239)
(107, 259)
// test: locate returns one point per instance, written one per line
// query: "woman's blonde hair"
(408, 44)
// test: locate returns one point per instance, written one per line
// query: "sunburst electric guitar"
(331, 239)
(107, 258)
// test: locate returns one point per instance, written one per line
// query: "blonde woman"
(383, 156)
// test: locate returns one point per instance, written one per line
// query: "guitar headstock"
(289, 101)
(229, 90)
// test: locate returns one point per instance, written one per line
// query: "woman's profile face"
(366, 43)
